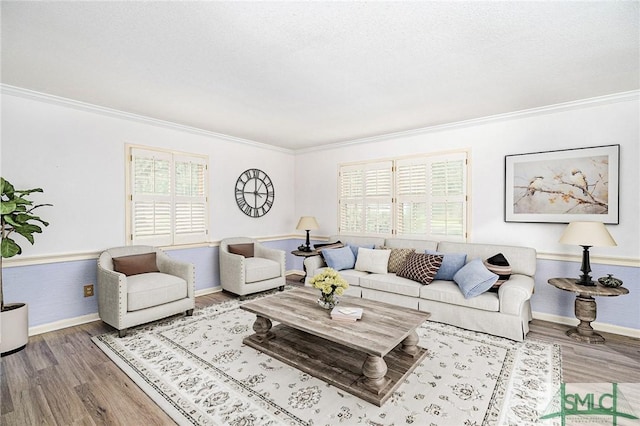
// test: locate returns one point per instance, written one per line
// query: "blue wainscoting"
(623, 311)
(54, 290)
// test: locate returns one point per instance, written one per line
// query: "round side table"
(585, 306)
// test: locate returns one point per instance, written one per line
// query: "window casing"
(167, 203)
(416, 197)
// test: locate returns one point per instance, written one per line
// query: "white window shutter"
(168, 198)
(151, 218)
(431, 197)
(447, 197)
(190, 200)
(366, 198)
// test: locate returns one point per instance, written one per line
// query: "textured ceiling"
(303, 74)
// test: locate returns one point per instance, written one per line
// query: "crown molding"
(633, 95)
(6, 89)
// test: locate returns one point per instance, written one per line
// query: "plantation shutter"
(190, 200)
(151, 201)
(366, 198)
(431, 197)
(168, 198)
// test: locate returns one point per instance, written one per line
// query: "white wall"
(590, 124)
(78, 157)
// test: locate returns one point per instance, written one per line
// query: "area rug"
(199, 372)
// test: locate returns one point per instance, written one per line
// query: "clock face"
(254, 193)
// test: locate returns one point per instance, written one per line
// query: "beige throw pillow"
(371, 260)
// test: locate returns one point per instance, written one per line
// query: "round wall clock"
(254, 193)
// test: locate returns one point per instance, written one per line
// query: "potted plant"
(17, 220)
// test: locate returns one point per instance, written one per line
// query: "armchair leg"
(281, 288)
(189, 312)
(122, 333)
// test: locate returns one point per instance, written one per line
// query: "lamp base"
(305, 248)
(585, 282)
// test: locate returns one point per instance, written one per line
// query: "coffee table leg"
(262, 327)
(374, 370)
(410, 344)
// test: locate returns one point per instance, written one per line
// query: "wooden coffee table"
(368, 358)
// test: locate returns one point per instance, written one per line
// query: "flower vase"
(328, 301)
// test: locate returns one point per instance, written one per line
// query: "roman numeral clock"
(254, 193)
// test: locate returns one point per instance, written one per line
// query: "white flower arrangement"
(329, 282)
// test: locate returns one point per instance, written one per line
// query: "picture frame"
(580, 184)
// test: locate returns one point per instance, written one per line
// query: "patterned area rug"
(199, 372)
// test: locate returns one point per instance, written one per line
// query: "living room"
(76, 149)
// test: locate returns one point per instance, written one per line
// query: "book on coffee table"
(346, 313)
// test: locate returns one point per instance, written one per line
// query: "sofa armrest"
(311, 264)
(514, 293)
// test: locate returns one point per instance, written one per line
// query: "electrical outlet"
(88, 290)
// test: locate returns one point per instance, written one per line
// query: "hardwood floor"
(62, 378)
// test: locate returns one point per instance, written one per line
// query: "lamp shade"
(307, 222)
(592, 234)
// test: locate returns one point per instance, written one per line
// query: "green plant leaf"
(9, 248)
(7, 188)
(7, 207)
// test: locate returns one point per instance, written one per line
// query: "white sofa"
(506, 312)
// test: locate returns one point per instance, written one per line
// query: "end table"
(585, 306)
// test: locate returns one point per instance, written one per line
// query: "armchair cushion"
(245, 249)
(153, 289)
(135, 264)
(260, 269)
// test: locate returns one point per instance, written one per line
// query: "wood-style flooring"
(62, 378)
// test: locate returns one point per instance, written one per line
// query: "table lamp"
(307, 223)
(587, 234)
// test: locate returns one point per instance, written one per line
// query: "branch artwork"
(563, 186)
(578, 186)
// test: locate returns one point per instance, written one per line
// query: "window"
(167, 201)
(419, 197)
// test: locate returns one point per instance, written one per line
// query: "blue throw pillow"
(339, 258)
(474, 279)
(355, 248)
(451, 263)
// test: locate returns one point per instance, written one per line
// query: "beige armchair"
(246, 266)
(139, 284)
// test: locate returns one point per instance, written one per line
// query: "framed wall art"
(563, 186)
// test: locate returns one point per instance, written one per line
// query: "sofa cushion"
(448, 292)
(135, 264)
(374, 261)
(397, 257)
(451, 263)
(474, 278)
(391, 283)
(499, 265)
(260, 269)
(420, 267)
(244, 249)
(153, 289)
(339, 258)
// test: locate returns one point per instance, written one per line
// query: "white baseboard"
(58, 325)
(598, 326)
